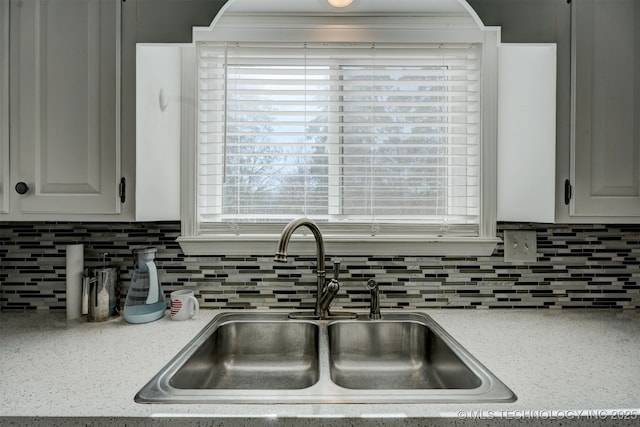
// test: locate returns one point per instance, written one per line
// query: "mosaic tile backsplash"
(578, 266)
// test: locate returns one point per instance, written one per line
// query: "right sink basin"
(395, 355)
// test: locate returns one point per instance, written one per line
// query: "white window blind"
(340, 133)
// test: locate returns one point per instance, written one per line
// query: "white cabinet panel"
(526, 132)
(605, 164)
(4, 107)
(65, 105)
(158, 121)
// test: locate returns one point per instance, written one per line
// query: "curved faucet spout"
(281, 254)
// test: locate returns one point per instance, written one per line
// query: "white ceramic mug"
(184, 305)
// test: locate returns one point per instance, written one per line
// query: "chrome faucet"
(325, 292)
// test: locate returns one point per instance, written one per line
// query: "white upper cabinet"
(65, 108)
(605, 144)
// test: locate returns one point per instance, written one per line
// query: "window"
(383, 143)
(364, 133)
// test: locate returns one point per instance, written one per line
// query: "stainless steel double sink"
(269, 358)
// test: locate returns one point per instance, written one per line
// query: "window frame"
(345, 239)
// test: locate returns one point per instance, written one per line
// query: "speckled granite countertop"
(574, 367)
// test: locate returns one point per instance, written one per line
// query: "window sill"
(340, 245)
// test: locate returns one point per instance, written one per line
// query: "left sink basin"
(253, 355)
(238, 356)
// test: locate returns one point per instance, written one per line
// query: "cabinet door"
(606, 106)
(65, 136)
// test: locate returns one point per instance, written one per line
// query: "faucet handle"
(336, 270)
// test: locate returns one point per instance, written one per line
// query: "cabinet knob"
(22, 188)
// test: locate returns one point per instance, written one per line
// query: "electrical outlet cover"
(520, 246)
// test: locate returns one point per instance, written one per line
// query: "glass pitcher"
(145, 301)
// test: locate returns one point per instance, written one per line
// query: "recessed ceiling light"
(340, 3)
